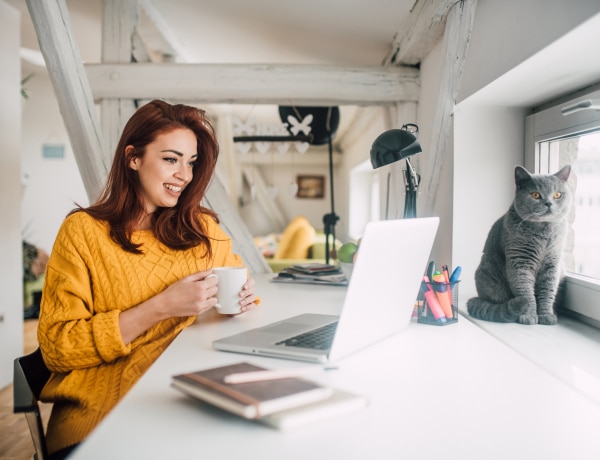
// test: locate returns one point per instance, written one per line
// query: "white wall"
(431, 67)
(281, 176)
(356, 152)
(507, 33)
(488, 144)
(11, 262)
(54, 184)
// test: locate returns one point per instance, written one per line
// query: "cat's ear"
(521, 175)
(563, 174)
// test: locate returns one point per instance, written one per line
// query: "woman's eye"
(557, 195)
(192, 163)
(171, 160)
(535, 195)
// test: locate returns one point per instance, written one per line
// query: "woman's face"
(166, 168)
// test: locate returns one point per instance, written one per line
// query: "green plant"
(24, 80)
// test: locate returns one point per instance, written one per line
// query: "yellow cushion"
(296, 239)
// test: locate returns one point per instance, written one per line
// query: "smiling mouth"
(173, 188)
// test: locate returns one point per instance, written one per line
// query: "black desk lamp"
(394, 145)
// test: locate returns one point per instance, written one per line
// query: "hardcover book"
(312, 273)
(249, 400)
(315, 268)
(338, 404)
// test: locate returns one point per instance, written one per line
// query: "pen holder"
(438, 303)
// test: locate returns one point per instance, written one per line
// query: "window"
(568, 132)
(364, 198)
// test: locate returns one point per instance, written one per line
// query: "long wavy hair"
(121, 203)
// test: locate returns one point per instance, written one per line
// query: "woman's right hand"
(190, 296)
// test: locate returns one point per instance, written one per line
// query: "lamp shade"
(393, 145)
(323, 126)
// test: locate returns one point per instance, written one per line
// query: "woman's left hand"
(248, 299)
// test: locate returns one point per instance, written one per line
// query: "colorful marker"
(432, 302)
(449, 284)
(455, 275)
(441, 292)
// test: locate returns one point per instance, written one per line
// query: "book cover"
(312, 273)
(287, 277)
(249, 400)
(315, 268)
(338, 404)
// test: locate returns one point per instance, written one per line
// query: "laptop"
(379, 302)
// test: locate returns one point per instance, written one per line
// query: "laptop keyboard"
(317, 339)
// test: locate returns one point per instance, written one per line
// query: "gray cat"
(519, 274)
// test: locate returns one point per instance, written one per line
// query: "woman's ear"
(133, 159)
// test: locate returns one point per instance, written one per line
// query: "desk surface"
(435, 393)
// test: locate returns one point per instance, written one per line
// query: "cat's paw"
(528, 319)
(547, 319)
(518, 306)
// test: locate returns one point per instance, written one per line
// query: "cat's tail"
(505, 312)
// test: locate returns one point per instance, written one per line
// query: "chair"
(30, 376)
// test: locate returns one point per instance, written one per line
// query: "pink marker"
(432, 302)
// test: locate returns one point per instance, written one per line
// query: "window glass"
(582, 152)
(568, 132)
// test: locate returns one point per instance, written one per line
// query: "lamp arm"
(411, 178)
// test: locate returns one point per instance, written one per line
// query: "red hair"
(121, 204)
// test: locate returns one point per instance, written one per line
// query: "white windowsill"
(570, 351)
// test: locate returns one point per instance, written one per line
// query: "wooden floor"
(15, 440)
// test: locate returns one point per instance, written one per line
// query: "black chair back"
(30, 376)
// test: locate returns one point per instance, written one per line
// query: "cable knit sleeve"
(72, 335)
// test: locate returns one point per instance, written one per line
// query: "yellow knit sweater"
(89, 281)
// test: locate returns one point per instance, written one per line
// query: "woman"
(128, 273)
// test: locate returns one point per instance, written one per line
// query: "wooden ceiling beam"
(283, 84)
(419, 32)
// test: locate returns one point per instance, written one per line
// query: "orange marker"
(441, 292)
(432, 302)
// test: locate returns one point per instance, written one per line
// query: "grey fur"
(519, 273)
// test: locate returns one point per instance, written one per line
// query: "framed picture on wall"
(310, 186)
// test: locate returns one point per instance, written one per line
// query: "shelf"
(300, 159)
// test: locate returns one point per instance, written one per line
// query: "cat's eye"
(535, 195)
(557, 195)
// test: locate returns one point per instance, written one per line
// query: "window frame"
(582, 294)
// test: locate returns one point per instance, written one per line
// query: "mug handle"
(212, 275)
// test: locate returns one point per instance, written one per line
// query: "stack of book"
(312, 273)
(282, 403)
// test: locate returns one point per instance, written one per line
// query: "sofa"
(299, 243)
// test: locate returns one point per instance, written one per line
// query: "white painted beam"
(459, 26)
(119, 19)
(271, 208)
(216, 198)
(255, 83)
(420, 32)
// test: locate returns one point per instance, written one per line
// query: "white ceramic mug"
(231, 280)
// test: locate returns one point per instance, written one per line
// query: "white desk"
(450, 392)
